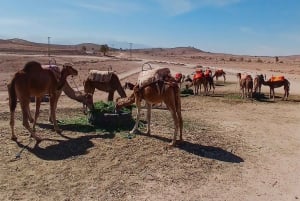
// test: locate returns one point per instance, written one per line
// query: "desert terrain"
(233, 149)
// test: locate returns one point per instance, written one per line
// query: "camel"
(218, 73)
(210, 80)
(257, 85)
(166, 91)
(246, 85)
(198, 80)
(33, 80)
(85, 98)
(104, 81)
(276, 84)
(179, 77)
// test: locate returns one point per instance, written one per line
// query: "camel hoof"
(37, 139)
(14, 138)
(172, 144)
(134, 131)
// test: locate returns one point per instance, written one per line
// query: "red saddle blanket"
(198, 76)
(276, 78)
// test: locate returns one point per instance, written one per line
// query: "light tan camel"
(246, 85)
(218, 73)
(276, 84)
(257, 85)
(33, 80)
(168, 92)
(104, 81)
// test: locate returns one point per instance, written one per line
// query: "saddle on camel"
(156, 86)
(33, 80)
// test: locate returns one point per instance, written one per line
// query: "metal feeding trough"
(111, 120)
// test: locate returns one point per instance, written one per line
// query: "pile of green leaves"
(187, 92)
(107, 107)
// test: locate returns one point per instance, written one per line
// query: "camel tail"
(12, 95)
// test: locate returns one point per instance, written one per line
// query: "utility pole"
(49, 46)
(130, 44)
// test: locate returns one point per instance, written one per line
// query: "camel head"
(88, 102)
(69, 70)
(124, 102)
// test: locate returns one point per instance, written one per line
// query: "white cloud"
(116, 7)
(14, 22)
(177, 7)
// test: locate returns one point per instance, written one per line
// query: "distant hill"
(20, 45)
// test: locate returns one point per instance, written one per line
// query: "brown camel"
(218, 73)
(33, 80)
(210, 80)
(257, 85)
(104, 81)
(198, 80)
(276, 83)
(179, 77)
(85, 99)
(246, 85)
(166, 91)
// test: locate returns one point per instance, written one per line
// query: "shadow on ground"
(64, 149)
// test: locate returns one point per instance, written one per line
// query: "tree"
(104, 49)
(83, 48)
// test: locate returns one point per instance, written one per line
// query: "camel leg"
(149, 107)
(170, 102)
(111, 96)
(30, 116)
(38, 101)
(138, 105)
(58, 93)
(179, 116)
(12, 124)
(24, 107)
(53, 100)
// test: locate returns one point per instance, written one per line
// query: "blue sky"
(246, 27)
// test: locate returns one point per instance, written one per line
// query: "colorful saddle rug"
(100, 76)
(207, 73)
(198, 75)
(178, 76)
(276, 78)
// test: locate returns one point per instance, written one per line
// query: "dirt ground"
(233, 149)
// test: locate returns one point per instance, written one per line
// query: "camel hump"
(100, 76)
(32, 66)
(149, 76)
(246, 76)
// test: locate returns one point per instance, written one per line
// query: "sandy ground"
(233, 149)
